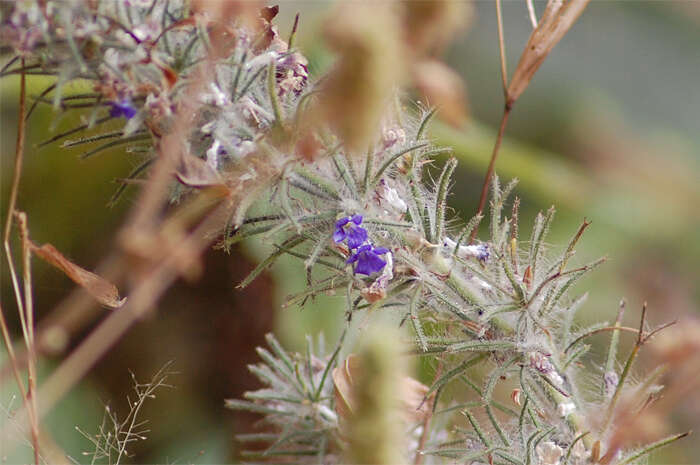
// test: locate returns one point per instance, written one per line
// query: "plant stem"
(29, 398)
(489, 171)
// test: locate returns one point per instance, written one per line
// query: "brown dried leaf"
(443, 88)
(556, 21)
(102, 290)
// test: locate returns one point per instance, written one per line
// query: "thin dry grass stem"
(489, 172)
(141, 300)
(24, 303)
(612, 328)
(29, 338)
(556, 21)
(428, 417)
(502, 49)
(642, 338)
(19, 157)
(504, 121)
(11, 355)
(531, 13)
(639, 417)
(559, 274)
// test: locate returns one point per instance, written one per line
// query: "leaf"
(557, 19)
(102, 290)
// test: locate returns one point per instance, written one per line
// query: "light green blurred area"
(608, 130)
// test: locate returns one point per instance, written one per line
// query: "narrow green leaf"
(496, 425)
(427, 117)
(441, 198)
(652, 447)
(318, 182)
(378, 175)
(72, 131)
(415, 321)
(116, 143)
(289, 243)
(453, 373)
(477, 428)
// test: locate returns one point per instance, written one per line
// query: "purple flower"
(123, 108)
(349, 228)
(480, 251)
(368, 259)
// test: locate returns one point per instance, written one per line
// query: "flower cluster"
(368, 260)
(365, 256)
(349, 228)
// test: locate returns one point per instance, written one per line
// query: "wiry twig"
(556, 20)
(23, 302)
(426, 421)
(502, 126)
(642, 338)
(502, 49)
(532, 14)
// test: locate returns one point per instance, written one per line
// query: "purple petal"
(342, 222)
(115, 112)
(357, 219)
(369, 263)
(353, 258)
(380, 250)
(339, 235)
(123, 108)
(129, 112)
(356, 236)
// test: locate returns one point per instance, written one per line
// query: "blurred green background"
(609, 130)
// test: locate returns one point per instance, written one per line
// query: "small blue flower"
(349, 228)
(123, 108)
(368, 259)
(481, 251)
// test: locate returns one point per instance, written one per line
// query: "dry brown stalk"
(24, 304)
(29, 330)
(557, 19)
(418, 459)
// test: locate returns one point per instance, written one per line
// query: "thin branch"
(601, 330)
(418, 459)
(29, 339)
(11, 354)
(502, 49)
(504, 120)
(29, 396)
(489, 171)
(531, 12)
(625, 371)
